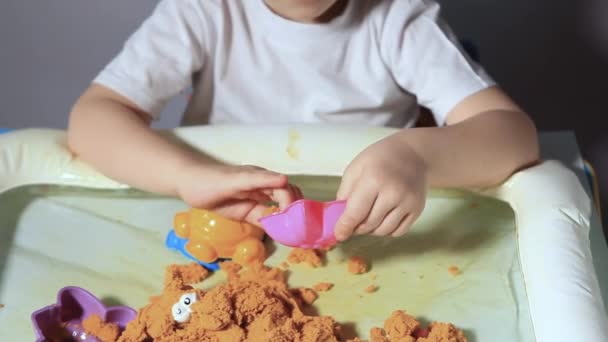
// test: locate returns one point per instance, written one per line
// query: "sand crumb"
(284, 265)
(1, 306)
(105, 332)
(454, 270)
(400, 324)
(305, 295)
(356, 265)
(312, 257)
(402, 327)
(371, 289)
(439, 332)
(377, 335)
(374, 276)
(323, 287)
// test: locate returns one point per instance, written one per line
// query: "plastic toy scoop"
(63, 320)
(305, 224)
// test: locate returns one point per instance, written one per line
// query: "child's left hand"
(385, 188)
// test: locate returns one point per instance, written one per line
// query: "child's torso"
(262, 68)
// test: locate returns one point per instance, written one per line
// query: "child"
(366, 62)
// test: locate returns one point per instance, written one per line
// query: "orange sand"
(454, 270)
(356, 265)
(105, 332)
(190, 274)
(401, 327)
(371, 289)
(443, 332)
(255, 304)
(377, 334)
(323, 287)
(231, 269)
(304, 295)
(312, 257)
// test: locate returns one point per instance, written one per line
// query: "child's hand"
(236, 192)
(385, 189)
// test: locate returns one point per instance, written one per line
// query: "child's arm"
(487, 139)
(111, 133)
(109, 125)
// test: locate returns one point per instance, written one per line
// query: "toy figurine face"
(183, 308)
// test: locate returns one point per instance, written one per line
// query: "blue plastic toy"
(174, 242)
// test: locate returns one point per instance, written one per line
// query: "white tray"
(533, 280)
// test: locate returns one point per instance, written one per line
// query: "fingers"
(404, 226)
(358, 207)
(345, 189)
(399, 221)
(286, 196)
(238, 210)
(349, 179)
(380, 209)
(392, 222)
(267, 192)
(389, 213)
(249, 178)
(255, 214)
(407, 223)
(257, 196)
(298, 192)
(416, 209)
(221, 184)
(242, 211)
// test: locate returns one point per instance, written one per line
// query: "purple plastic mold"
(73, 306)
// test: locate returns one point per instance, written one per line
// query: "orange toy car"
(211, 237)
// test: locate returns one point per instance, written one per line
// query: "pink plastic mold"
(305, 224)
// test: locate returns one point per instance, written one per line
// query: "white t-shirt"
(371, 65)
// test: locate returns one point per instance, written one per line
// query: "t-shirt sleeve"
(426, 59)
(157, 62)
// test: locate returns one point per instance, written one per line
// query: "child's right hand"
(235, 192)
